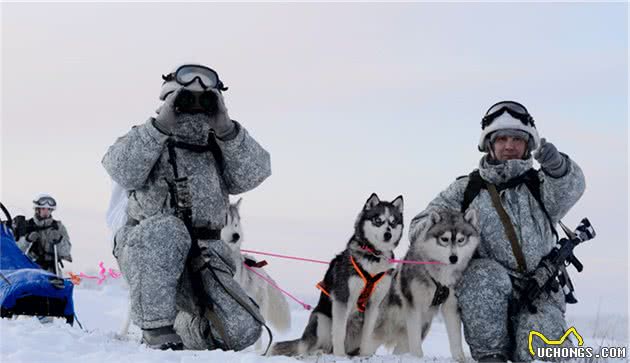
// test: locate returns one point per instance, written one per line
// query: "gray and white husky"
(273, 305)
(354, 285)
(419, 291)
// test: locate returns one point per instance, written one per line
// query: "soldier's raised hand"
(220, 122)
(550, 159)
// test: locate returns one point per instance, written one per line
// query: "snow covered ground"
(102, 309)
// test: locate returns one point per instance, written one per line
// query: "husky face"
(381, 223)
(232, 232)
(450, 237)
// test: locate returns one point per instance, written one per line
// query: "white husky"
(273, 305)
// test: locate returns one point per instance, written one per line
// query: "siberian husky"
(273, 305)
(354, 285)
(419, 291)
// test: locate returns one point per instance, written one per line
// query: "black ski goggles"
(189, 73)
(514, 109)
(45, 202)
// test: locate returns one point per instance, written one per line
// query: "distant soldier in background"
(43, 238)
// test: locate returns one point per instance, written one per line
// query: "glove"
(56, 236)
(223, 126)
(550, 159)
(33, 237)
(166, 119)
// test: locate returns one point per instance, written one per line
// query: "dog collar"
(367, 247)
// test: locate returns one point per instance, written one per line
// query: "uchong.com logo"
(558, 348)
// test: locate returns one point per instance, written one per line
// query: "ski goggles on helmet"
(189, 73)
(514, 109)
(45, 202)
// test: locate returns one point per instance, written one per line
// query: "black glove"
(550, 159)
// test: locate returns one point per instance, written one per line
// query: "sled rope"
(270, 282)
(392, 260)
(76, 279)
(287, 257)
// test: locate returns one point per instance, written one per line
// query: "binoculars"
(191, 102)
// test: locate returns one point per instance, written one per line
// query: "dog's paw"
(418, 352)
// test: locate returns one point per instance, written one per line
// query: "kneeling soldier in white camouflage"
(518, 209)
(178, 169)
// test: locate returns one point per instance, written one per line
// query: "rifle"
(551, 271)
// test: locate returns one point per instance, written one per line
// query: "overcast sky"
(349, 99)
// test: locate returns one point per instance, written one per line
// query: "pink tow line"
(102, 276)
(287, 257)
(305, 305)
(270, 282)
(392, 260)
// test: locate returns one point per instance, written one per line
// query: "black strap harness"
(529, 178)
(441, 293)
(181, 201)
(212, 146)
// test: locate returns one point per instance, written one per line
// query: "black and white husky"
(355, 283)
(418, 292)
(273, 305)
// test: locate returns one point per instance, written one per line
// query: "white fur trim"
(506, 121)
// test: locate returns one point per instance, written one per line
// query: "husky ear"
(421, 224)
(371, 202)
(398, 203)
(237, 205)
(434, 218)
(472, 217)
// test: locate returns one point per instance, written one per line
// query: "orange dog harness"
(369, 284)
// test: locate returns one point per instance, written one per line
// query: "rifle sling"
(508, 228)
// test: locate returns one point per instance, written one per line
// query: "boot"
(162, 338)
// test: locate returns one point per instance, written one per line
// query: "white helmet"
(45, 201)
(508, 115)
